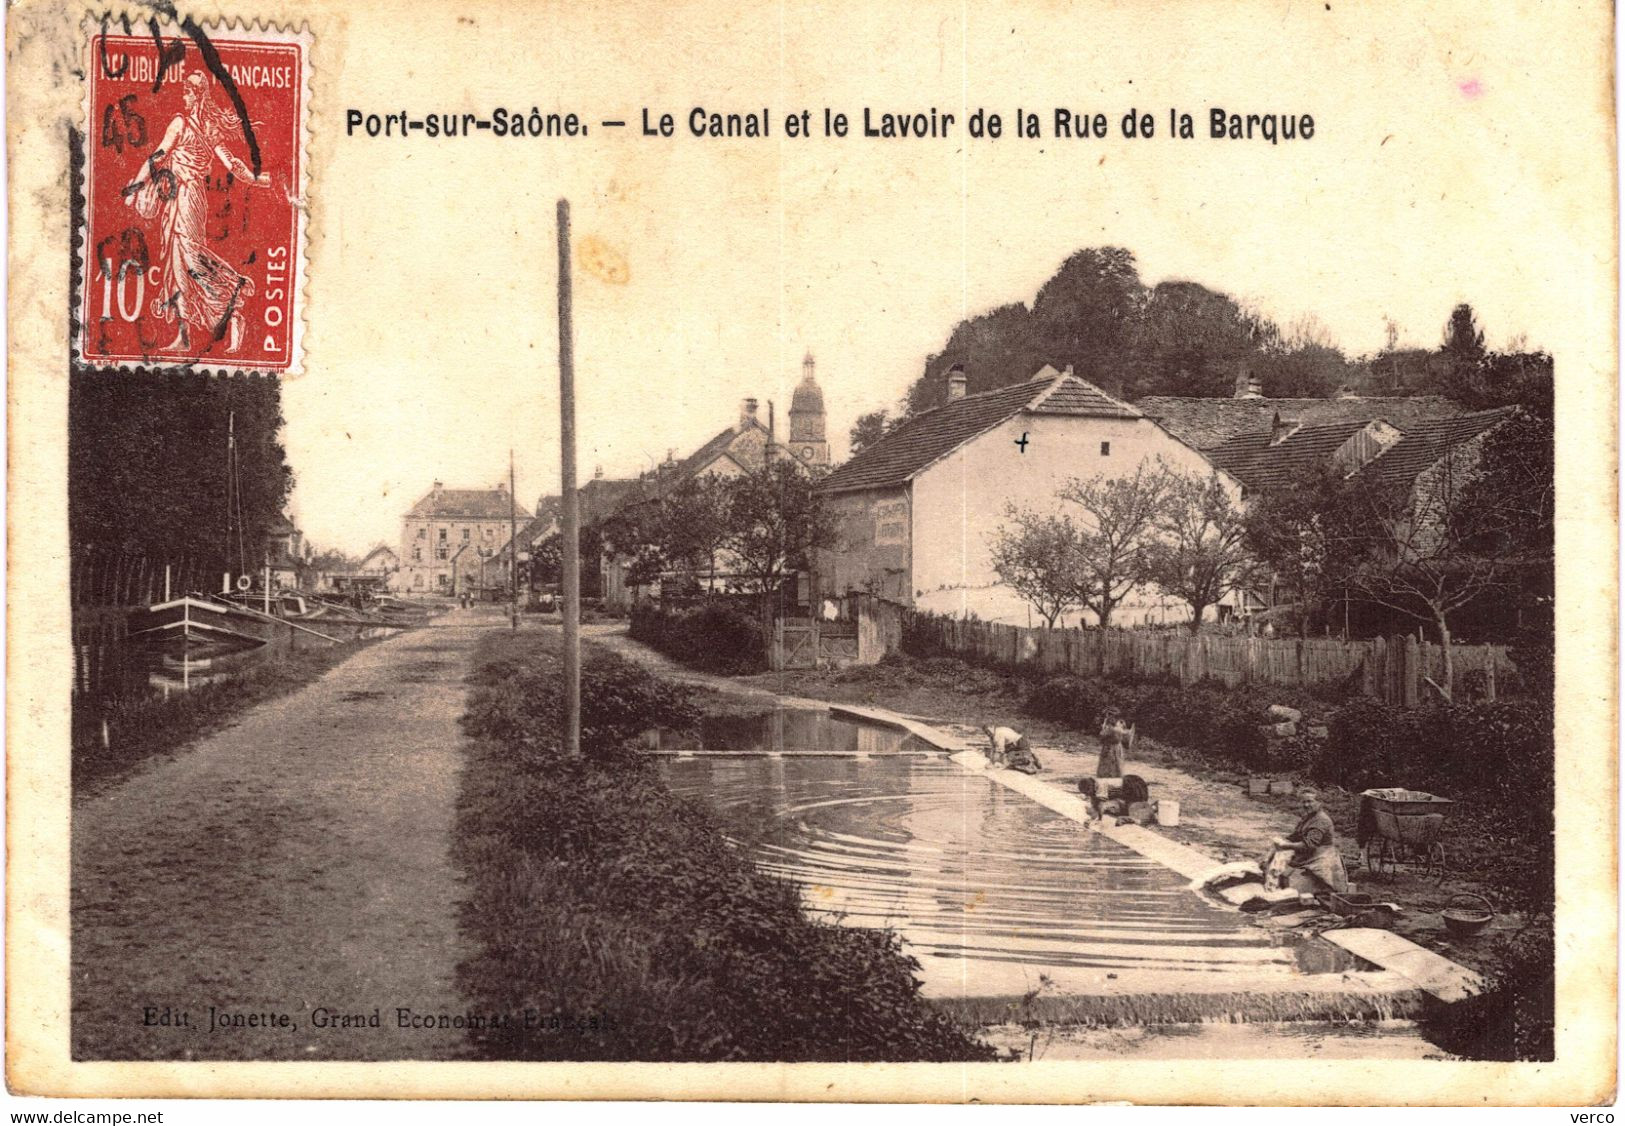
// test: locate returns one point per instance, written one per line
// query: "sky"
(1440, 171)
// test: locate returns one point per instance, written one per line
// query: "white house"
(918, 508)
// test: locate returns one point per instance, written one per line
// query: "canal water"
(994, 894)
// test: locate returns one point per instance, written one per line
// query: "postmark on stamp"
(192, 248)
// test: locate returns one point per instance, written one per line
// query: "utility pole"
(513, 546)
(571, 531)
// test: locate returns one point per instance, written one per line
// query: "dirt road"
(284, 888)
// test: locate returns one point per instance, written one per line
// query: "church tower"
(807, 440)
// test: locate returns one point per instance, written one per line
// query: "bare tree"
(1201, 553)
(1120, 516)
(1038, 556)
(1440, 544)
(1058, 563)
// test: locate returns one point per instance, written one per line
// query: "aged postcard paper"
(813, 551)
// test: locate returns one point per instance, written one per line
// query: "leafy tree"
(1463, 350)
(1201, 553)
(1039, 556)
(1303, 536)
(1177, 338)
(1511, 501)
(997, 348)
(775, 522)
(869, 429)
(637, 532)
(695, 523)
(149, 476)
(1191, 340)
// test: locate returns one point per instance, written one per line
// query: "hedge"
(713, 636)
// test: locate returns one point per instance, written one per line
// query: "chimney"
(1347, 393)
(598, 473)
(747, 414)
(1247, 386)
(502, 487)
(956, 382)
(1280, 431)
(436, 490)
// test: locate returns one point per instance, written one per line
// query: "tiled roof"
(923, 439)
(466, 504)
(1205, 423)
(1256, 463)
(1427, 442)
(701, 458)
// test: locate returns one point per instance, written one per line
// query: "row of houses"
(917, 509)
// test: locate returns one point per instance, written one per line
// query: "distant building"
(379, 569)
(381, 560)
(745, 447)
(284, 553)
(446, 521)
(918, 508)
(808, 440)
(1206, 422)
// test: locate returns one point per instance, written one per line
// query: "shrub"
(714, 636)
(611, 920)
(521, 705)
(1070, 699)
(1369, 744)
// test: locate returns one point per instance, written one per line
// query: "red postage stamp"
(192, 246)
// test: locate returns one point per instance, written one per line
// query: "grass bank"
(138, 729)
(611, 921)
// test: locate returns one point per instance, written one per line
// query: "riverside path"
(284, 888)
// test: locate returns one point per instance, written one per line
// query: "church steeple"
(807, 437)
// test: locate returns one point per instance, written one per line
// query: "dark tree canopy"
(147, 458)
(1174, 338)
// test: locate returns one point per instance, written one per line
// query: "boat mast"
(231, 477)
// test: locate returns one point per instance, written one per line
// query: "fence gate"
(795, 643)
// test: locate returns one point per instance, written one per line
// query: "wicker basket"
(1463, 919)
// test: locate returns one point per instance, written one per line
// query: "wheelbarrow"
(1402, 828)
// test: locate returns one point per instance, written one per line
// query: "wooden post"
(513, 545)
(571, 523)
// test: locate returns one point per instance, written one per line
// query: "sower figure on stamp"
(198, 288)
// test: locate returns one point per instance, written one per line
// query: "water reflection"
(970, 873)
(794, 730)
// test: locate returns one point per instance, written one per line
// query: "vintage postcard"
(902, 552)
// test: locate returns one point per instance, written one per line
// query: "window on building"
(417, 581)
(441, 552)
(443, 579)
(423, 533)
(1105, 449)
(490, 533)
(417, 555)
(465, 535)
(442, 535)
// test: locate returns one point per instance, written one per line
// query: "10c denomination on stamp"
(192, 250)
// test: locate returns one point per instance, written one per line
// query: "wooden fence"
(1395, 669)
